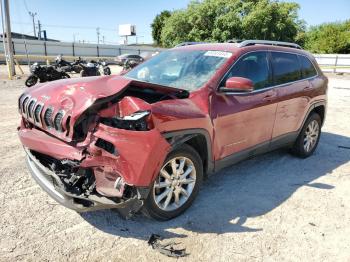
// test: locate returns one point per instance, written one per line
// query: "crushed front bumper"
(50, 183)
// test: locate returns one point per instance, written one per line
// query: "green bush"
(329, 38)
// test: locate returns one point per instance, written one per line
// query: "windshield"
(187, 70)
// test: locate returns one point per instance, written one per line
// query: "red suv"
(145, 140)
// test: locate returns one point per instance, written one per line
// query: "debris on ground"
(166, 248)
(345, 147)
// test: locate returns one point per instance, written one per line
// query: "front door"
(245, 121)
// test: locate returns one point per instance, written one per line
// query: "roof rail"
(266, 42)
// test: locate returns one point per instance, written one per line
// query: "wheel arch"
(318, 107)
(199, 139)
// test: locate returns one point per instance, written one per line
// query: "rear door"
(243, 121)
(290, 87)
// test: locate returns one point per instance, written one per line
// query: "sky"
(66, 20)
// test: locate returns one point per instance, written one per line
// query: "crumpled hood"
(57, 105)
(76, 95)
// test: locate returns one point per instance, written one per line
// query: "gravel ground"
(274, 207)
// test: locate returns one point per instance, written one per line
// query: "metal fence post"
(335, 65)
(45, 48)
(98, 51)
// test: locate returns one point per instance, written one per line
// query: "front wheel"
(32, 80)
(309, 137)
(177, 184)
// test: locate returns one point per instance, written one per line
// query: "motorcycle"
(44, 74)
(105, 68)
(89, 69)
(68, 66)
(94, 68)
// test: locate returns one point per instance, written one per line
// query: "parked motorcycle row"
(61, 68)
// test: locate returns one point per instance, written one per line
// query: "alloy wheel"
(311, 135)
(175, 183)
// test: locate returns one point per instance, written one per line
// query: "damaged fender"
(137, 158)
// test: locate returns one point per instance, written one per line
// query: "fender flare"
(176, 138)
(311, 108)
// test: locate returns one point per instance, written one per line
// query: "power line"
(25, 5)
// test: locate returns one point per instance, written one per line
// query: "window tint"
(253, 66)
(307, 68)
(286, 67)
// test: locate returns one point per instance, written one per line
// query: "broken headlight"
(136, 121)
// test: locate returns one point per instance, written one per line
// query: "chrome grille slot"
(48, 117)
(30, 108)
(37, 113)
(20, 100)
(58, 121)
(25, 101)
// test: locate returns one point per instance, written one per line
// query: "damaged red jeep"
(145, 140)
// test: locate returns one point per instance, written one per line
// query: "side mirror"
(238, 84)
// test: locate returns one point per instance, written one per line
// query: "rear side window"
(286, 67)
(307, 68)
(254, 66)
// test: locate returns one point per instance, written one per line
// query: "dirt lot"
(271, 208)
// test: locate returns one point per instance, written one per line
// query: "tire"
(83, 73)
(311, 132)
(32, 80)
(107, 71)
(77, 69)
(191, 158)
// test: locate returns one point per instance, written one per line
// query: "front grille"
(58, 121)
(48, 117)
(37, 112)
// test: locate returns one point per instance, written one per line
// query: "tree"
(329, 38)
(221, 20)
(157, 25)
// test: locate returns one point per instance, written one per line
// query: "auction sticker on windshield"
(218, 54)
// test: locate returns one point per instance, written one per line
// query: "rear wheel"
(309, 137)
(177, 184)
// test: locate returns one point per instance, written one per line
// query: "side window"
(307, 68)
(286, 67)
(254, 66)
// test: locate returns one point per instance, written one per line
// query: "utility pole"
(33, 15)
(9, 48)
(103, 39)
(98, 35)
(39, 29)
(3, 30)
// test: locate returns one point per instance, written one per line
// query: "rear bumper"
(50, 183)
